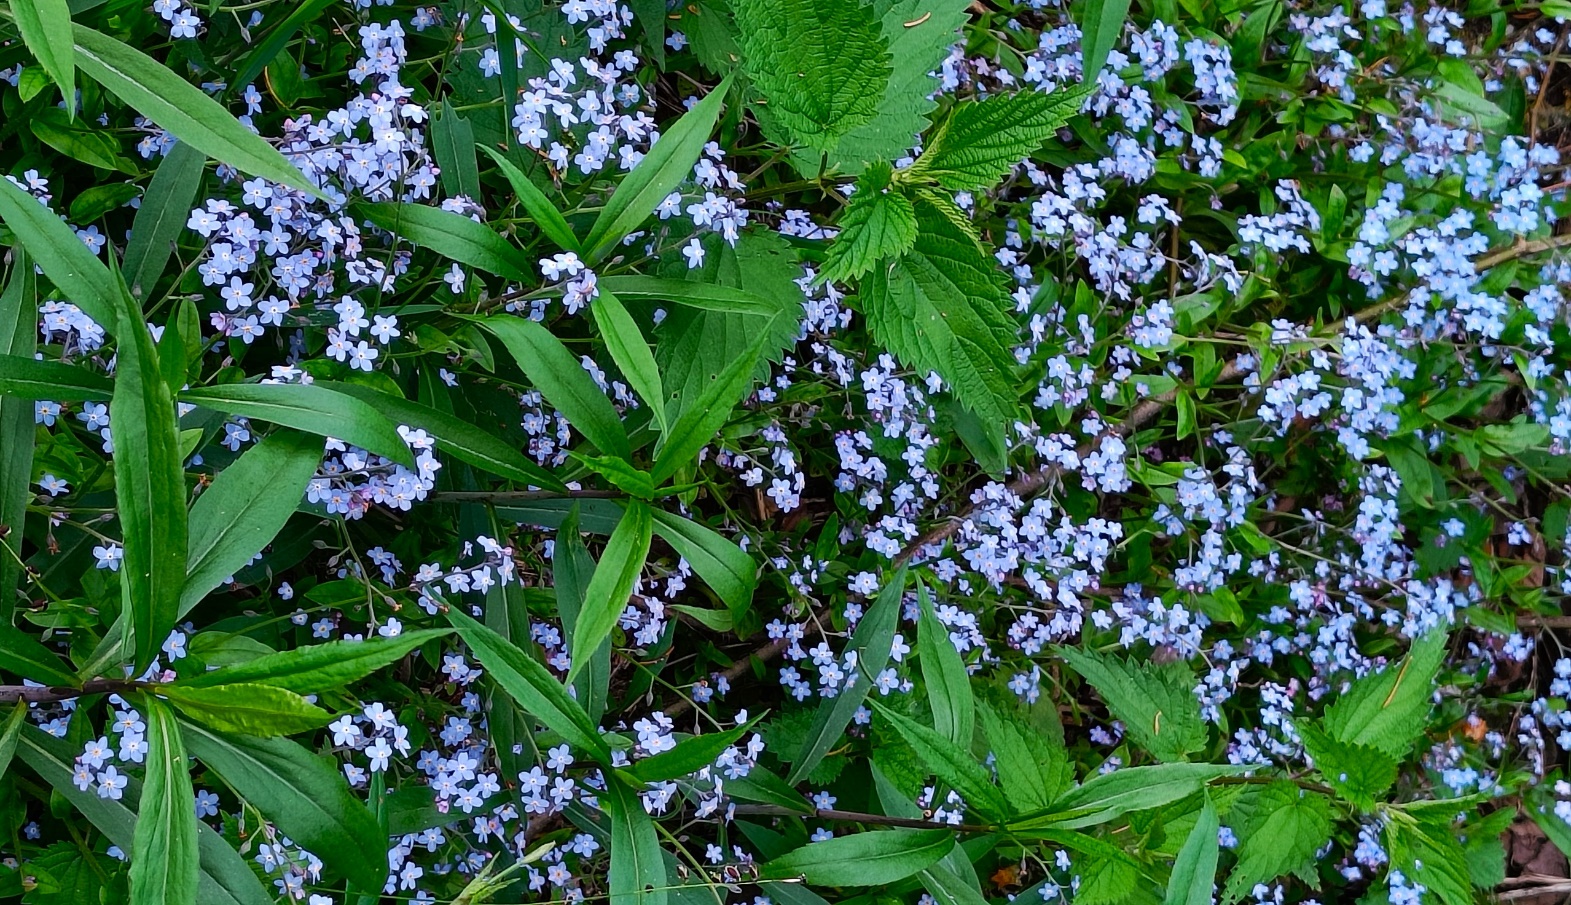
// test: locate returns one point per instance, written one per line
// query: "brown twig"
(38, 694)
(770, 810)
(521, 496)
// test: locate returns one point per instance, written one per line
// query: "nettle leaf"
(638, 872)
(1388, 709)
(165, 861)
(1425, 849)
(821, 65)
(1359, 773)
(1156, 702)
(878, 224)
(247, 708)
(862, 859)
(983, 140)
(942, 308)
(951, 764)
(450, 235)
(318, 667)
(944, 675)
(1286, 828)
(608, 591)
(1031, 769)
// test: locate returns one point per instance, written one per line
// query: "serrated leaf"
(157, 93)
(862, 859)
(1156, 702)
(728, 570)
(318, 667)
(1359, 774)
(942, 308)
(983, 140)
(1030, 769)
(944, 676)
(1288, 825)
(247, 708)
(821, 65)
(879, 224)
(165, 861)
(310, 408)
(450, 235)
(638, 873)
(559, 378)
(1428, 854)
(1388, 709)
(46, 30)
(608, 591)
(951, 764)
(1194, 870)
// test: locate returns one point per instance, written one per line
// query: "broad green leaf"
(454, 436)
(165, 861)
(450, 235)
(952, 764)
(704, 417)
(572, 568)
(983, 140)
(55, 248)
(700, 296)
(862, 859)
(26, 656)
(162, 216)
(46, 30)
(949, 886)
(305, 796)
(539, 207)
(1030, 769)
(10, 734)
(531, 685)
(879, 224)
(1360, 774)
(1388, 709)
(944, 675)
(157, 93)
(724, 566)
(317, 668)
(149, 486)
(25, 377)
(638, 873)
(562, 381)
(942, 308)
(668, 164)
(1101, 24)
(79, 140)
(631, 480)
(1194, 870)
(18, 340)
(225, 878)
(821, 65)
(871, 641)
(310, 408)
(1427, 852)
(247, 708)
(1111, 795)
(606, 596)
(1287, 826)
(453, 142)
(690, 755)
(244, 508)
(628, 348)
(1156, 702)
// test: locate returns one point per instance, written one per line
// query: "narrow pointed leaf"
(1194, 870)
(451, 235)
(162, 216)
(638, 873)
(313, 409)
(562, 381)
(725, 567)
(318, 667)
(18, 340)
(693, 294)
(951, 764)
(165, 861)
(247, 708)
(706, 415)
(606, 596)
(628, 348)
(862, 859)
(26, 378)
(572, 568)
(540, 208)
(46, 30)
(944, 674)
(54, 247)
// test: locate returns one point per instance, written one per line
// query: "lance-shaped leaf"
(638, 873)
(165, 861)
(24, 655)
(304, 795)
(247, 708)
(1100, 25)
(562, 381)
(453, 142)
(540, 208)
(157, 93)
(54, 247)
(862, 859)
(25, 377)
(245, 507)
(572, 568)
(628, 348)
(1387, 709)
(318, 667)
(310, 408)
(531, 685)
(606, 596)
(1156, 702)
(1194, 870)
(702, 296)
(952, 764)
(1111, 795)
(452, 236)
(701, 420)
(689, 756)
(162, 216)
(18, 340)
(725, 567)
(10, 734)
(46, 30)
(944, 674)
(983, 140)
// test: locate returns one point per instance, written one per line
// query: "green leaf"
(1108, 796)
(24, 377)
(668, 164)
(699, 296)
(310, 408)
(572, 568)
(225, 878)
(190, 115)
(638, 873)
(1030, 769)
(1194, 870)
(704, 416)
(1427, 852)
(764, 787)
(54, 247)
(101, 199)
(724, 566)
(1102, 22)
(689, 756)
(79, 140)
(247, 708)
(149, 486)
(277, 39)
(454, 436)
(305, 796)
(983, 140)
(1156, 702)
(625, 341)
(46, 30)
(1286, 828)
(942, 308)
(871, 641)
(165, 861)
(18, 340)
(26, 656)
(952, 764)
(246, 506)
(562, 381)
(1360, 774)
(531, 685)
(862, 859)
(318, 667)
(606, 596)
(453, 141)
(821, 65)
(540, 208)
(450, 235)
(162, 216)
(1387, 710)
(878, 224)
(10, 734)
(624, 477)
(944, 675)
